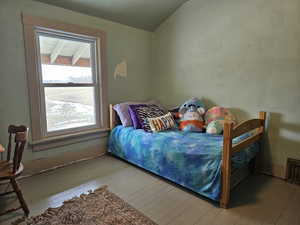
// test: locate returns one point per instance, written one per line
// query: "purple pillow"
(141, 112)
(122, 110)
(134, 117)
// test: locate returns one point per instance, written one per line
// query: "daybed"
(210, 165)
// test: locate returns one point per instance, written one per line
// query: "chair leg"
(20, 196)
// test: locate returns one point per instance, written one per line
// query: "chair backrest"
(19, 133)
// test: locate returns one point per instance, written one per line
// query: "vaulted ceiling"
(144, 14)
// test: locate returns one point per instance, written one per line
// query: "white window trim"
(40, 138)
(94, 84)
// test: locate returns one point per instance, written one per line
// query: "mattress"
(192, 160)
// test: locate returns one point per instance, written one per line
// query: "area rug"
(100, 207)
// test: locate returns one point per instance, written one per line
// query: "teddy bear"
(215, 118)
(191, 115)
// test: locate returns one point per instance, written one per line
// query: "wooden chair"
(11, 169)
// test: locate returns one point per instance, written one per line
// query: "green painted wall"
(240, 54)
(122, 42)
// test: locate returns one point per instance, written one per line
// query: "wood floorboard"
(259, 200)
(192, 212)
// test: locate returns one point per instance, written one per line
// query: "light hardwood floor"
(259, 200)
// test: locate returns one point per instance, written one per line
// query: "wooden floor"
(260, 200)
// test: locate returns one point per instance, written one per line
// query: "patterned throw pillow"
(134, 116)
(161, 123)
(124, 114)
(142, 112)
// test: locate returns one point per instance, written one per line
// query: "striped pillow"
(161, 123)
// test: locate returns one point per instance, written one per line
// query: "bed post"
(256, 163)
(226, 164)
(112, 117)
(262, 116)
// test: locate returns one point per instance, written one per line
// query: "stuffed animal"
(191, 115)
(215, 127)
(215, 118)
(2, 149)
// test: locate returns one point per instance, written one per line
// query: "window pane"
(66, 74)
(65, 61)
(69, 107)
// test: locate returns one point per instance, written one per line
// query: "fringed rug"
(100, 207)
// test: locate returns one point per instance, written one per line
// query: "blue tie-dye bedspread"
(192, 160)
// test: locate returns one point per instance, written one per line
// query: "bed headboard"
(114, 119)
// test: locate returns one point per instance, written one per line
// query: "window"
(66, 79)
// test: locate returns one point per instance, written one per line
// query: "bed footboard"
(229, 149)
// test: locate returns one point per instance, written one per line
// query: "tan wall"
(240, 54)
(122, 42)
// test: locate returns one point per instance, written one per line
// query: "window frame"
(40, 137)
(95, 81)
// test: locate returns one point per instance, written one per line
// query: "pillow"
(122, 111)
(134, 117)
(175, 113)
(161, 123)
(218, 113)
(142, 112)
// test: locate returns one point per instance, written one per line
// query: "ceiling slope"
(143, 14)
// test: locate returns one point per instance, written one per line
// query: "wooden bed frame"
(230, 132)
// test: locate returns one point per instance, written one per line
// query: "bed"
(210, 165)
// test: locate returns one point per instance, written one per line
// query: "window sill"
(67, 139)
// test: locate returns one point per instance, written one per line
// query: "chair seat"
(6, 170)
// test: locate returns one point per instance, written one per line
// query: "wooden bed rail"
(229, 149)
(246, 126)
(112, 117)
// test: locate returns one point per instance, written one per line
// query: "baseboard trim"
(61, 166)
(275, 171)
